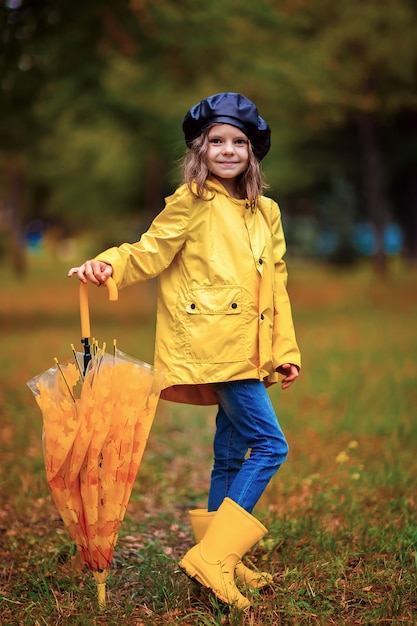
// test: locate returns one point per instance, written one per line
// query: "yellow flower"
(352, 445)
(342, 457)
(310, 479)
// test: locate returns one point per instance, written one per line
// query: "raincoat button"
(193, 305)
(262, 316)
(234, 305)
(260, 261)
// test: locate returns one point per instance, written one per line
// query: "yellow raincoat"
(223, 311)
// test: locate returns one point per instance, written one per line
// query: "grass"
(341, 512)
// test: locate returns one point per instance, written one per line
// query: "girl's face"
(228, 153)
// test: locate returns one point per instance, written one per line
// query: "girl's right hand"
(96, 272)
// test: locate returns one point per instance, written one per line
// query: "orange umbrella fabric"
(95, 429)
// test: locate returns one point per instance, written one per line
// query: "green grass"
(341, 512)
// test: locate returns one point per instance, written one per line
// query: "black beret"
(229, 108)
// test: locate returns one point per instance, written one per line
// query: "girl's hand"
(290, 373)
(96, 272)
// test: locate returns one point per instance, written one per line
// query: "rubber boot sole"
(195, 574)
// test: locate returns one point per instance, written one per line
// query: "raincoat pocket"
(214, 329)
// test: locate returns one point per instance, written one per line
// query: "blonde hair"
(250, 183)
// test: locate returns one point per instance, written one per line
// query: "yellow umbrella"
(95, 428)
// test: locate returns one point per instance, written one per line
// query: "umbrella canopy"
(95, 428)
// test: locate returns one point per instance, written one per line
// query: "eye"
(241, 142)
(215, 140)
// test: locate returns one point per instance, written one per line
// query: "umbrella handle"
(84, 308)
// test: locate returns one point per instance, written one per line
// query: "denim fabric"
(245, 421)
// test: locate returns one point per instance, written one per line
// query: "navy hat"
(229, 108)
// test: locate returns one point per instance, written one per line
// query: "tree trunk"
(405, 186)
(411, 222)
(14, 200)
(154, 185)
(374, 184)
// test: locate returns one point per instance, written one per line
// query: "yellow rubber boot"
(200, 520)
(212, 562)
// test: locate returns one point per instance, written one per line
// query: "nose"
(228, 147)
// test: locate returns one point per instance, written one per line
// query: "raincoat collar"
(217, 186)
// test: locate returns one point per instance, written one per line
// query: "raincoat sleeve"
(156, 248)
(284, 343)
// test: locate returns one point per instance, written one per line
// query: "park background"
(91, 103)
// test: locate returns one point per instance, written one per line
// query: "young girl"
(224, 326)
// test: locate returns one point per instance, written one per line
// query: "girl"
(224, 326)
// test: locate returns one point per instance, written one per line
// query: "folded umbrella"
(97, 414)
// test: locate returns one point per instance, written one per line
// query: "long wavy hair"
(196, 175)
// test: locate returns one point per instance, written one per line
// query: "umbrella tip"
(101, 595)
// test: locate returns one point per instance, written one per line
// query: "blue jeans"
(245, 421)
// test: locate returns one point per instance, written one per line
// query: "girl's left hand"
(290, 373)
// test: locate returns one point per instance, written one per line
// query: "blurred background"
(92, 97)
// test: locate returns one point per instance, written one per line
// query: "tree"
(49, 52)
(94, 93)
(353, 66)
